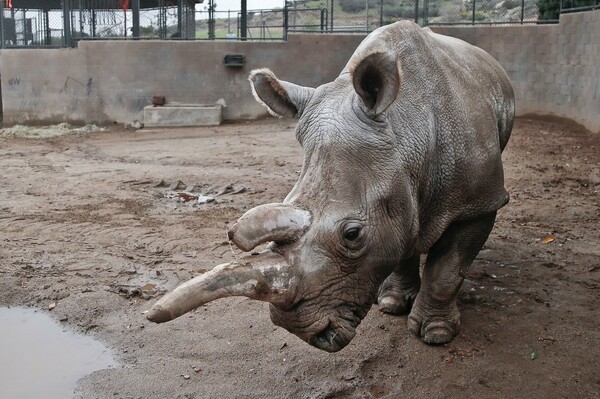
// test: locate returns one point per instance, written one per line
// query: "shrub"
(548, 9)
(510, 4)
(352, 6)
(398, 11)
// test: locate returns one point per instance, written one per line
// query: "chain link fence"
(365, 15)
(31, 24)
(43, 23)
(263, 24)
(579, 5)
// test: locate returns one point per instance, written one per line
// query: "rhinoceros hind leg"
(398, 292)
(434, 316)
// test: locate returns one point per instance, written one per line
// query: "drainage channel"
(39, 358)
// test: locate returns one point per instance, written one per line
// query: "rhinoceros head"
(342, 228)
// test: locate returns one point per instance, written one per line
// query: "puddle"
(41, 359)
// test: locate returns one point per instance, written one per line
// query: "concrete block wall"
(555, 70)
(112, 81)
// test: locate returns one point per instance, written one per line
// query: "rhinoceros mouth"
(335, 336)
(331, 332)
(329, 339)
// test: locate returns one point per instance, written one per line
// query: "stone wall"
(554, 69)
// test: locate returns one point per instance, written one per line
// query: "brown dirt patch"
(84, 222)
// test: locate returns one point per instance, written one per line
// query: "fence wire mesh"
(264, 24)
(30, 23)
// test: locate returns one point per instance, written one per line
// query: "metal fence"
(361, 15)
(567, 6)
(48, 23)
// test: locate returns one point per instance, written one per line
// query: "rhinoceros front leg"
(399, 290)
(434, 316)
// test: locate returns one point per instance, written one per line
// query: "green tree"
(548, 9)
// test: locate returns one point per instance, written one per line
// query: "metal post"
(179, 33)
(48, 31)
(285, 21)
(1, 24)
(162, 20)
(135, 18)
(67, 34)
(331, 17)
(523, 10)
(367, 9)
(80, 20)
(323, 18)
(425, 12)
(211, 20)
(93, 21)
(473, 14)
(416, 11)
(244, 21)
(124, 22)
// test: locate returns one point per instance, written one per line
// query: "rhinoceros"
(402, 157)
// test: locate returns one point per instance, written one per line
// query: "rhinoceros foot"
(399, 290)
(396, 301)
(396, 304)
(434, 329)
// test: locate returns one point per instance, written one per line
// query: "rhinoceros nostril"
(231, 232)
(326, 339)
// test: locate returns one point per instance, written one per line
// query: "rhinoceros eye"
(352, 232)
(352, 239)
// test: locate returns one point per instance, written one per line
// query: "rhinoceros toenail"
(437, 335)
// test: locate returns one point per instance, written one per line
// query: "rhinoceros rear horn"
(270, 222)
(377, 79)
(279, 97)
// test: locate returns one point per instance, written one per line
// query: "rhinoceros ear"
(377, 79)
(279, 97)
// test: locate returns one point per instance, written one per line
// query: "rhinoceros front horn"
(281, 223)
(264, 277)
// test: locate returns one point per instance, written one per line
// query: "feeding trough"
(180, 115)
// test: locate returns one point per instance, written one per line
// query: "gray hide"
(402, 158)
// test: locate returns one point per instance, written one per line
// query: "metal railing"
(568, 6)
(52, 23)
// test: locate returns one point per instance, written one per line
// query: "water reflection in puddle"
(41, 359)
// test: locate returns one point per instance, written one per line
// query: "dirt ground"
(95, 224)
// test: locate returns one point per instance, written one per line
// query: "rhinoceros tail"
(506, 115)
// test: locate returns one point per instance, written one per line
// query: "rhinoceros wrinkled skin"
(402, 158)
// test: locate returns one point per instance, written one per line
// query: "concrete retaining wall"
(555, 70)
(106, 81)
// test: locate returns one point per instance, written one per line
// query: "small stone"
(179, 186)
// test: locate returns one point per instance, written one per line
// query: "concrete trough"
(179, 115)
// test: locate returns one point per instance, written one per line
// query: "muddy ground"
(94, 224)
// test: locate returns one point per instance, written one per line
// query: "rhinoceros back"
(452, 118)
